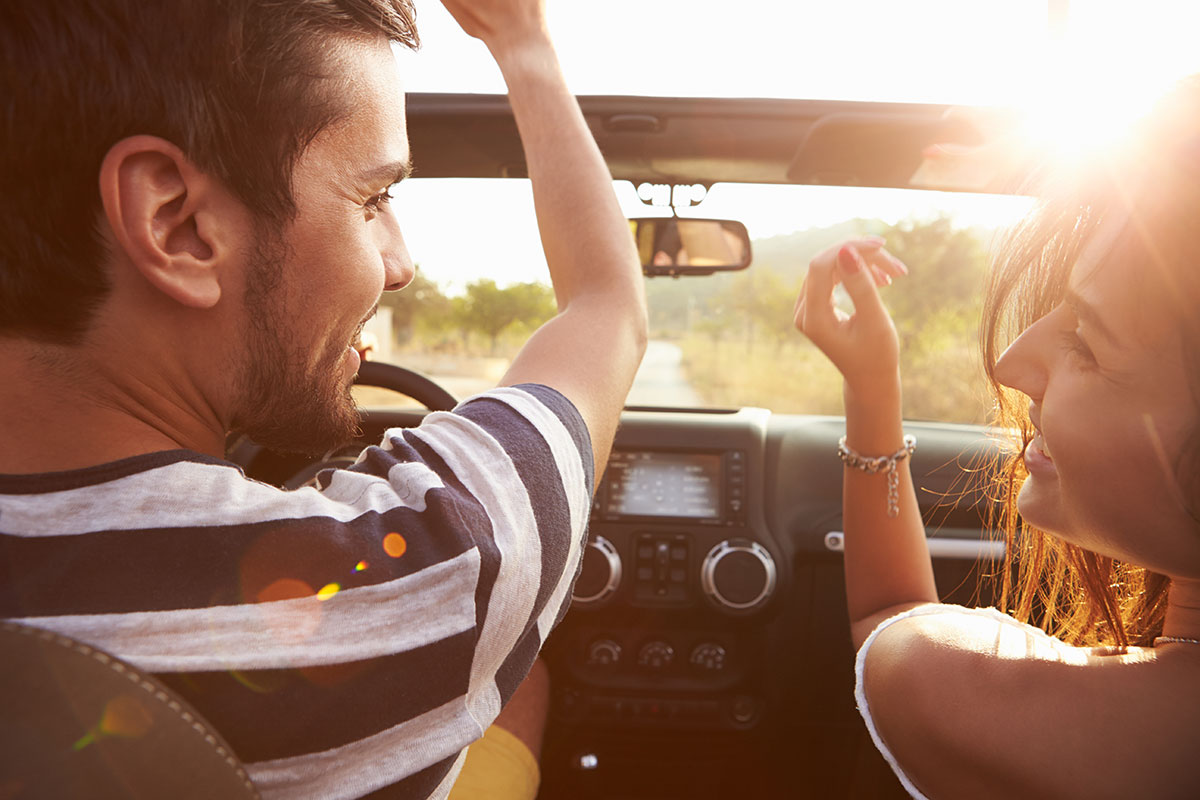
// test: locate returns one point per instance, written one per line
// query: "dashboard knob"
(600, 575)
(708, 657)
(603, 652)
(656, 655)
(738, 575)
(744, 710)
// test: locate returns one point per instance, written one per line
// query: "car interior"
(707, 652)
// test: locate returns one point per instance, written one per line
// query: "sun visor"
(885, 150)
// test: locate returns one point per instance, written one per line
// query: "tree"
(490, 309)
(948, 269)
(762, 299)
(420, 305)
(936, 310)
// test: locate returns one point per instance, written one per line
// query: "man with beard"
(194, 204)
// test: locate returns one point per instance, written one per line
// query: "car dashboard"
(707, 651)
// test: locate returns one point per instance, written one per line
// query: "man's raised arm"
(592, 348)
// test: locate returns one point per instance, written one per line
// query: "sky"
(1079, 69)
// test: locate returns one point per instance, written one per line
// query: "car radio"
(661, 529)
(698, 486)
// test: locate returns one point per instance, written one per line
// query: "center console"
(679, 572)
(686, 512)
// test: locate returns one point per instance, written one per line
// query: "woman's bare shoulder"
(977, 704)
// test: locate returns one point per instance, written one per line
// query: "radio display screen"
(655, 484)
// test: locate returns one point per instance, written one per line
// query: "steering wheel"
(406, 382)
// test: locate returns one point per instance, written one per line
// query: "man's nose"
(398, 269)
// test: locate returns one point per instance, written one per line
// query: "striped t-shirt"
(345, 640)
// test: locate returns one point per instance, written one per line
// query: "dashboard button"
(661, 574)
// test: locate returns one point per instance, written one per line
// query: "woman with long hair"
(1085, 682)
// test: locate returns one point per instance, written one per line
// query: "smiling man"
(195, 227)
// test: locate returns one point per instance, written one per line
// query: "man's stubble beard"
(283, 404)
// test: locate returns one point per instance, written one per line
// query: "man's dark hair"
(237, 85)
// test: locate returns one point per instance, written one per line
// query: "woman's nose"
(1022, 366)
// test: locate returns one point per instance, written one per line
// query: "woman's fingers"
(864, 258)
(881, 277)
(858, 276)
(862, 344)
(884, 262)
(814, 306)
(894, 266)
(872, 251)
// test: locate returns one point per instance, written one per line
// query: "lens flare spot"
(360, 566)
(328, 590)
(290, 609)
(263, 682)
(126, 716)
(330, 675)
(284, 589)
(123, 716)
(394, 545)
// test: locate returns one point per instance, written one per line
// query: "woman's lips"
(1037, 459)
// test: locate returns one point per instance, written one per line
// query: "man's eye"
(376, 203)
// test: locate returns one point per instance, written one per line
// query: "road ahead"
(660, 381)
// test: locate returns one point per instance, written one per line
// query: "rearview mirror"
(674, 246)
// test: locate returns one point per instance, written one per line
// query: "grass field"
(942, 380)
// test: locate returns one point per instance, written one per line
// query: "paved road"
(660, 381)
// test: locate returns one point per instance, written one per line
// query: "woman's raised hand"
(863, 344)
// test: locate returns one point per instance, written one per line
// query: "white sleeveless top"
(860, 697)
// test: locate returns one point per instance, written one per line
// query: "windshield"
(724, 340)
(1075, 68)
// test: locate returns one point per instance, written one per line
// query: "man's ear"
(167, 217)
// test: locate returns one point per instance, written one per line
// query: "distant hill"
(790, 253)
(673, 300)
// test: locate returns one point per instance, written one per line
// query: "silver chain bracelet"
(873, 464)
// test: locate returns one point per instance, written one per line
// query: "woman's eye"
(1078, 348)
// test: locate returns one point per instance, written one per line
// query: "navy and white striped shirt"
(345, 640)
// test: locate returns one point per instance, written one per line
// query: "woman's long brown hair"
(1082, 597)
